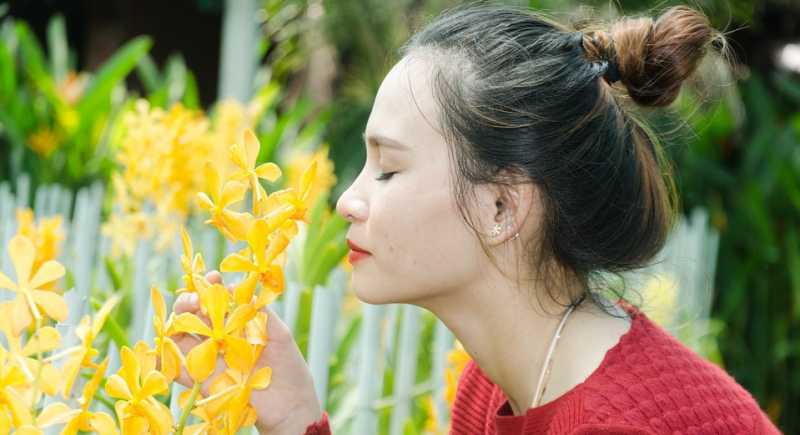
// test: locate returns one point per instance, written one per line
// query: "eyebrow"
(381, 141)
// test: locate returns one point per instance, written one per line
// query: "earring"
(514, 237)
(496, 230)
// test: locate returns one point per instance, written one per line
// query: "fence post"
(405, 378)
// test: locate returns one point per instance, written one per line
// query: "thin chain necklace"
(544, 375)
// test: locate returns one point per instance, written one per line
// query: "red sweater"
(648, 384)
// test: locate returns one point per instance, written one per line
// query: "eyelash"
(385, 176)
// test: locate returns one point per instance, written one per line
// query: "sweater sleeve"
(321, 427)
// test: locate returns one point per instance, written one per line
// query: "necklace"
(544, 375)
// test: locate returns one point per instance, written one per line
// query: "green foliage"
(54, 122)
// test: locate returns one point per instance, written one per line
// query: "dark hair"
(520, 93)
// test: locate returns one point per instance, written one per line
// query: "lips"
(356, 253)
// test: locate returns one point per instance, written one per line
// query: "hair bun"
(654, 59)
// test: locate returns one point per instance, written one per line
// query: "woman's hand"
(289, 405)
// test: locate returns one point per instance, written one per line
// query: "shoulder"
(651, 380)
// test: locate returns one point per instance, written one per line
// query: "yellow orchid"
(296, 199)
(210, 424)
(30, 297)
(458, 359)
(44, 141)
(325, 177)
(56, 413)
(245, 159)
(266, 249)
(224, 337)
(45, 340)
(81, 356)
(166, 349)
(232, 224)
(255, 331)
(11, 378)
(86, 420)
(194, 268)
(135, 383)
(239, 411)
(46, 237)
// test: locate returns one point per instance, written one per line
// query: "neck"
(507, 332)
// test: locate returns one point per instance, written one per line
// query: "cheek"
(419, 228)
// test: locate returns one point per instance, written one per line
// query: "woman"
(503, 175)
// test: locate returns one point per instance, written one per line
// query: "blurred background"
(303, 73)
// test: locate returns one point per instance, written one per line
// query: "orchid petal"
(101, 315)
(261, 379)
(257, 238)
(202, 360)
(6, 283)
(239, 159)
(241, 315)
(154, 383)
(213, 180)
(204, 201)
(251, 147)
(48, 339)
(158, 303)
(104, 424)
(117, 387)
(52, 303)
(23, 254)
(233, 192)
(217, 300)
(188, 322)
(306, 180)
(21, 317)
(269, 172)
(237, 263)
(158, 415)
(48, 272)
(53, 414)
(243, 293)
(256, 329)
(239, 353)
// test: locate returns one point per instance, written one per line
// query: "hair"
(520, 93)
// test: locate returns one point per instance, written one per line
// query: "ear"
(513, 201)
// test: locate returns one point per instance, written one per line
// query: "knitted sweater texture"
(648, 384)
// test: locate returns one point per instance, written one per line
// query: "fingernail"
(193, 299)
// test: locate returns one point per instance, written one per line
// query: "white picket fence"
(389, 336)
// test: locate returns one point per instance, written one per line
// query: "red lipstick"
(356, 254)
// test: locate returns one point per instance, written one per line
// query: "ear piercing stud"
(496, 230)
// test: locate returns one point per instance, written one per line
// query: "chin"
(370, 294)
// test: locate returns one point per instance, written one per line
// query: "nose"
(352, 206)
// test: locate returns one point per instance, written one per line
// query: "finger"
(186, 303)
(214, 277)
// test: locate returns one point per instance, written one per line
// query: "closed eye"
(385, 176)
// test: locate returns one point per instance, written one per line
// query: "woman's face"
(409, 242)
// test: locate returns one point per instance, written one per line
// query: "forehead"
(405, 109)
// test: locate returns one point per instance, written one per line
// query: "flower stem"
(39, 357)
(188, 408)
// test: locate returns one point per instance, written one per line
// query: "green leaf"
(113, 273)
(57, 47)
(8, 77)
(33, 62)
(793, 262)
(112, 73)
(148, 74)
(191, 95)
(112, 327)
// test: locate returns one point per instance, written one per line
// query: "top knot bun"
(653, 59)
